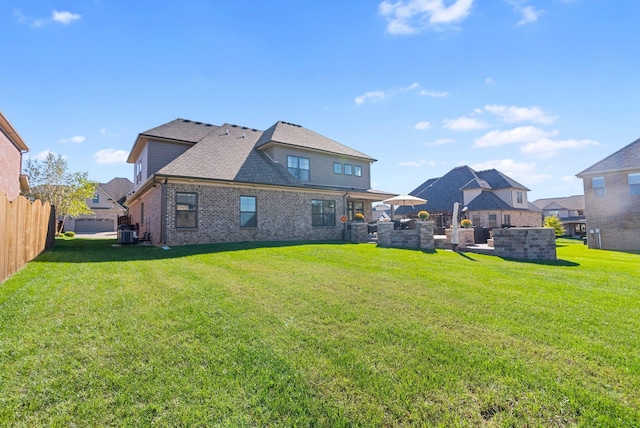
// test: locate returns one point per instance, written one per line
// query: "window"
(298, 167)
(598, 186)
(634, 183)
(142, 213)
(186, 209)
(138, 171)
(493, 220)
(248, 211)
(519, 197)
(357, 171)
(507, 220)
(348, 169)
(323, 213)
(337, 168)
(96, 199)
(354, 207)
(554, 212)
(476, 220)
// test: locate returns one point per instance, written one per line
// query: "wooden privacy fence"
(26, 230)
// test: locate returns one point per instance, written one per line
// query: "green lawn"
(319, 335)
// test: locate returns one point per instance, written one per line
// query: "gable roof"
(117, 188)
(487, 201)
(295, 135)
(627, 158)
(441, 193)
(498, 180)
(575, 202)
(7, 129)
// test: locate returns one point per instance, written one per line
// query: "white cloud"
(464, 124)
(488, 81)
(413, 16)
(529, 14)
(76, 139)
(440, 142)
(110, 156)
(418, 163)
(525, 173)
(40, 156)
(373, 96)
(64, 17)
(522, 134)
(376, 96)
(422, 125)
(513, 114)
(434, 94)
(546, 148)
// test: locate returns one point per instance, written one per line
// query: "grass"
(319, 334)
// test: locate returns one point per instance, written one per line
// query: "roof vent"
(198, 123)
(244, 136)
(226, 131)
(186, 120)
(234, 126)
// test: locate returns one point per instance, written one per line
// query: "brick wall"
(281, 215)
(526, 243)
(617, 214)
(10, 164)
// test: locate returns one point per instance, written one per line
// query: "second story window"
(337, 168)
(357, 171)
(634, 183)
(138, 171)
(519, 197)
(298, 167)
(598, 187)
(348, 169)
(96, 199)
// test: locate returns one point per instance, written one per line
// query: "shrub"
(423, 215)
(69, 234)
(359, 217)
(554, 222)
(466, 223)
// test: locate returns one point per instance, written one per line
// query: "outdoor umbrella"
(405, 200)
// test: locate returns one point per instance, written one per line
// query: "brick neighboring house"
(612, 200)
(201, 183)
(488, 198)
(106, 205)
(12, 181)
(570, 210)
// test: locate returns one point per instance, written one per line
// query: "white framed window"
(337, 168)
(348, 169)
(598, 187)
(357, 171)
(634, 183)
(519, 198)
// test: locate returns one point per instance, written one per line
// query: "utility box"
(127, 234)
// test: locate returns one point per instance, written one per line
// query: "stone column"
(385, 229)
(426, 232)
(359, 232)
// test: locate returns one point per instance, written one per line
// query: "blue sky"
(538, 89)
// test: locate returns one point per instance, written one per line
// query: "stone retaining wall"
(421, 237)
(527, 243)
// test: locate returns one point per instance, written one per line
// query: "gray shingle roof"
(487, 201)
(118, 188)
(228, 154)
(575, 202)
(626, 158)
(296, 135)
(182, 130)
(498, 180)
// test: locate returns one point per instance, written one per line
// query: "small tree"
(554, 222)
(50, 182)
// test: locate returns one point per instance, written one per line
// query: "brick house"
(569, 210)
(202, 183)
(612, 200)
(489, 199)
(106, 205)
(12, 181)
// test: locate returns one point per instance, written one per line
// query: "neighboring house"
(201, 183)
(488, 198)
(12, 181)
(106, 205)
(612, 200)
(570, 211)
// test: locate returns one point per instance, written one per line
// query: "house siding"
(10, 165)
(617, 214)
(283, 214)
(519, 218)
(321, 167)
(156, 155)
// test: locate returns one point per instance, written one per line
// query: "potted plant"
(359, 217)
(423, 215)
(466, 223)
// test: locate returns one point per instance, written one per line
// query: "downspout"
(344, 213)
(163, 209)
